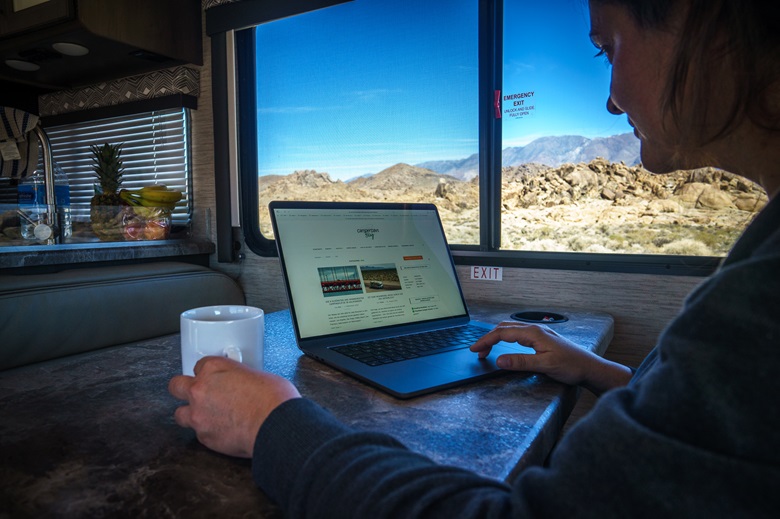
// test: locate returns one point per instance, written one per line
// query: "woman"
(691, 433)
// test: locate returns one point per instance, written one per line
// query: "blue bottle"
(32, 201)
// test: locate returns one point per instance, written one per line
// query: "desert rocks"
(599, 206)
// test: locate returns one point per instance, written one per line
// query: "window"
(493, 110)
(359, 101)
(571, 174)
(155, 150)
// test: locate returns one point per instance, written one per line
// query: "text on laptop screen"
(358, 269)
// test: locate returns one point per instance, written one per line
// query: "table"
(93, 435)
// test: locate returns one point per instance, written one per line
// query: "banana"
(152, 203)
(144, 212)
(160, 195)
(129, 197)
(156, 187)
(155, 197)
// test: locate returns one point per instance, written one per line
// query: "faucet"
(46, 231)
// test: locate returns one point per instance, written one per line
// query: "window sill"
(34, 256)
(700, 266)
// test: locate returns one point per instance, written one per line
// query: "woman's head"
(714, 63)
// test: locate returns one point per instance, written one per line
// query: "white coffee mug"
(231, 331)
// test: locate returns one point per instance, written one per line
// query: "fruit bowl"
(146, 223)
(106, 222)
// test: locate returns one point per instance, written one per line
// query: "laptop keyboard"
(396, 349)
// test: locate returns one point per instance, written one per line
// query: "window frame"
(487, 253)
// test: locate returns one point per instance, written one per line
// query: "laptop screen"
(354, 267)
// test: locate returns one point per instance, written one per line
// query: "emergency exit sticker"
(487, 273)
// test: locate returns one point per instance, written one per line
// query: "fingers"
(510, 331)
(179, 386)
(484, 344)
(517, 362)
(183, 416)
(550, 348)
(214, 363)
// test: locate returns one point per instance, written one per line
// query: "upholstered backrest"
(46, 316)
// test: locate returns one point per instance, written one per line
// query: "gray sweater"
(695, 434)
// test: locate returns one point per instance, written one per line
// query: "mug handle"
(232, 353)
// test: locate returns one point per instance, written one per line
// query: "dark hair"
(736, 41)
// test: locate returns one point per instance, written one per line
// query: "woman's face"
(640, 60)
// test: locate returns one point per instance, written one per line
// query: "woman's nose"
(612, 107)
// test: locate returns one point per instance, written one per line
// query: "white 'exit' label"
(487, 273)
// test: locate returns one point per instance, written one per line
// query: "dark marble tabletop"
(93, 435)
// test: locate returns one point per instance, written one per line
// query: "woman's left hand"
(556, 357)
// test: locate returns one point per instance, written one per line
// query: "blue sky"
(340, 93)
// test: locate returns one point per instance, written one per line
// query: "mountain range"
(549, 151)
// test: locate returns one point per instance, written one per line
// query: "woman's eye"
(603, 51)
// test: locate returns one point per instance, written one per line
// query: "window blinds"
(155, 150)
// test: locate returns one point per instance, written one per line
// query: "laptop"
(360, 275)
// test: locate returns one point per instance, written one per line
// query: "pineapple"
(106, 207)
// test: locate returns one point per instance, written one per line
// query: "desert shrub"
(687, 247)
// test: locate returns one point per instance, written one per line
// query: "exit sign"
(487, 273)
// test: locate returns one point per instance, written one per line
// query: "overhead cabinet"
(60, 44)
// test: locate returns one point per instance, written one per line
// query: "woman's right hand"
(556, 357)
(228, 402)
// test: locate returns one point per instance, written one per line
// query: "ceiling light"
(25, 66)
(70, 49)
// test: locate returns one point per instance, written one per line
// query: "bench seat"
(47, 316)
